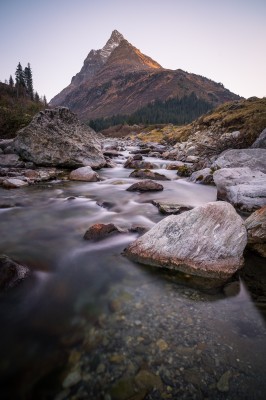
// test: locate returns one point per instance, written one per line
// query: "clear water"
(88, 310)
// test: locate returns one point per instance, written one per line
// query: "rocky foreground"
(206, 242)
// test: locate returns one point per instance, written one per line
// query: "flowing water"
(90, 324)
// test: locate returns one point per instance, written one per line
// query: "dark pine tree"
(20, 80)
(29, 81)
(11, 81)
(36, 97)
(44, 101)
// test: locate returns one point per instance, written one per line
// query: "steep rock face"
(260, 142)
(56, 138)
(207, 241)
(119, 79)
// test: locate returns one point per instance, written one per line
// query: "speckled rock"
(242, 187)
(57, 138)
(252, 158)
(207, 241)
(261, 141)
(84, 174)
(204, 176)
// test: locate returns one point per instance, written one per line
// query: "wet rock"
(56, 138)
(71, 379)
(255, 159)
(223, 383)
(175, 166)
(144, 186)
(184, 170)
(13, 183)
(123, 389)
(137, 157)
(109, 163)
(244, 188)
(138, 164)
(11, 273)
(207, 241)
(111, 153)
(162, 345)
(170, 208)
(146, 174)
(139, 229)
(204, 176)
(256, 228)
(140, 151)
(101, 231)
(84, 174)
(147, 380)
(261, 141)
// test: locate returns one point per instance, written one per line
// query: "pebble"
(71, 379)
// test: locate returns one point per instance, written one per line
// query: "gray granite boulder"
(261, 141)
(84, 174)
(244, 188)
(256, 228)
(252, 158)
(207, 241)
(57, 138)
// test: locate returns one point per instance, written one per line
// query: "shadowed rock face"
(207, 241)
(256, 228)
(57, 138)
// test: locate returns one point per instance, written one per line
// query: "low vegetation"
(247, 116)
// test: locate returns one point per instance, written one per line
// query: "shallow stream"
(119, 330)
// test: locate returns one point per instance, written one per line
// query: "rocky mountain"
(119, 79)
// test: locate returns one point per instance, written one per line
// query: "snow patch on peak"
(111, 44)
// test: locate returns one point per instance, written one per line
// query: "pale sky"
(223, 40)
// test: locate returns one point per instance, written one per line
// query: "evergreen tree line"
(176, 111)
(23, 84)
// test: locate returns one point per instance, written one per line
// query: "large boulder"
(252, 158)
(256, 228)
(261, 141)
(11, 273)
(57, 138)
(242, 187)
(207, 242)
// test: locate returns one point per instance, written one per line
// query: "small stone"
(162, 344)
(145, 186)
(71, 379)
(117, 358)
(101, 368)
(223, 383)
(147, 380)
(84, 174)
(13, 183)
(100, 231)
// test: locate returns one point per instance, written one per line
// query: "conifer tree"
(36, 97)
(20, 80)
(11, 81)
(44, 101)
(28, 81)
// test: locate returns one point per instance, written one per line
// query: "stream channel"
(90, 324)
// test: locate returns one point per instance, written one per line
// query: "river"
(116, 328)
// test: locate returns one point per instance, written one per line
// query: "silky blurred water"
(45, 231)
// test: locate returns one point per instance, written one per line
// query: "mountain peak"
(114, 41)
